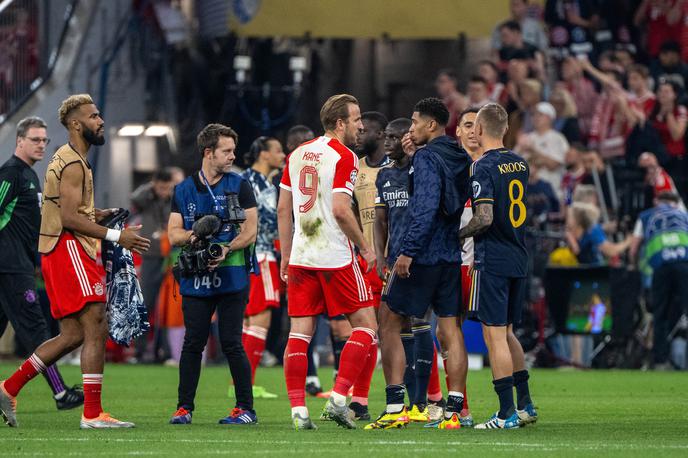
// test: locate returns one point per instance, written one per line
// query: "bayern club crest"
(98, 289)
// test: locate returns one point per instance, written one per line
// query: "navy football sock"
(504, 387)
(522, 390)
(410, 374)
(337, 347)
(424, 347)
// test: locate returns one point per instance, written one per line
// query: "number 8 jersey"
(314, 172)
(500, 178)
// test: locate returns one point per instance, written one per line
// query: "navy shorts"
(438, 287)
(496, 300)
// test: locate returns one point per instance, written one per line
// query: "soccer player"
(68, 241)
(416, 334)
(266, 156)
(425, 272)
(317, 232)
(465, 134)
(499, 181)
(370, 148)
(20, 221)
(390, 222)
(296, 135)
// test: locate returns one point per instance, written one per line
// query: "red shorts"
(72, 278)
(314, 292)
(265, 289)
(465, 286)
(374, 281)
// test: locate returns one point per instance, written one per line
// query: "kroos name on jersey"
(512, 167)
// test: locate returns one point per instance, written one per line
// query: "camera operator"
(663, 233)
(214, 267)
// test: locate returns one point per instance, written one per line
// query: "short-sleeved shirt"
(393, 195)
(315, 171)
(266, 198)
(500, 178)
(365, 195)
(589, 246)
(20, 216)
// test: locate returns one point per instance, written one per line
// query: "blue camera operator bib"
(194, 201)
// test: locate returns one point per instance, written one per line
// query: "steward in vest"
(663, 231)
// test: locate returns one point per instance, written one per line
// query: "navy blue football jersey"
(392, 185)
(500, 177)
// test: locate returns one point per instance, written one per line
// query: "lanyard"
(218, 207)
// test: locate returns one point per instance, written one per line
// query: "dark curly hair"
(434, 108)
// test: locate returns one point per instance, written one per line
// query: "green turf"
(610, 413)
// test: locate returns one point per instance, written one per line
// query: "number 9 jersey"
(314, 172)
(500, 178)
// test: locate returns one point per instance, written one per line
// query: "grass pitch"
(600, 413)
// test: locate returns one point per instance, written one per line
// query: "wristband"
(113, 235)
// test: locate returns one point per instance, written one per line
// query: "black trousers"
(670, 299)
(19, 304)
(198, 313)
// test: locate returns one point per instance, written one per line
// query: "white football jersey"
(314, 172)
(466, 216)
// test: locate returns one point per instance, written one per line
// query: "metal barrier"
(31, 34)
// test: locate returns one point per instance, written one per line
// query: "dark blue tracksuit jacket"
(439, 186)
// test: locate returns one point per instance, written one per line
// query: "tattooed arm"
(481, 221)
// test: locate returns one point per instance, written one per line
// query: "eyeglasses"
(38, 140)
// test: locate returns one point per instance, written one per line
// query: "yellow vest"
(365, 194)
(51, 222)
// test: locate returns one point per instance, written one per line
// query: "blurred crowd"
(19, 52)
(596, 96)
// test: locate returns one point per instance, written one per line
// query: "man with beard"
(370, 148)
(318, 232)
(219, 287)
(68, 242)
(20, 221)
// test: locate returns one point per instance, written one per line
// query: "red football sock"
(465, 399)
(253, 339)
(434, 388)
(296, 368)
(28, 370)
(93, 384)
(362, 383)
(355, 351)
